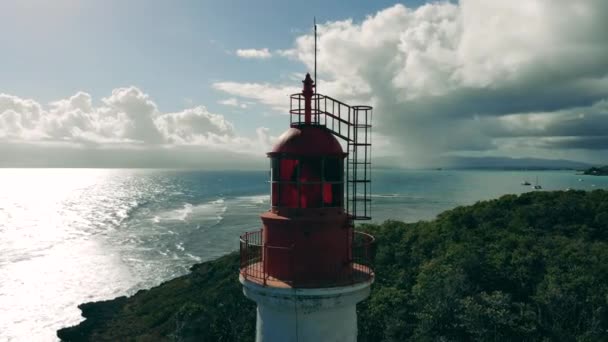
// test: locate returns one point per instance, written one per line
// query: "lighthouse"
(307, 267)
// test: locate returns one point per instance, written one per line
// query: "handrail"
(255, 254)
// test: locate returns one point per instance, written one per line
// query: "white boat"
(536, 185)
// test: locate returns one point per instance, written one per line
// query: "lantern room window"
(307, 182)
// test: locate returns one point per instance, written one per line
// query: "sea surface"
(69, 236)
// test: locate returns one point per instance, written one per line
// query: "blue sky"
(167, 81)
(172, 50)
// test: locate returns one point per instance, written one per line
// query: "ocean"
(69, 236)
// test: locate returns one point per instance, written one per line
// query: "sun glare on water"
(47, 251)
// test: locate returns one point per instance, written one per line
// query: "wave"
(254, 201)
(210, 211)
(258, 199)
(182, 214)
(386, 195)
(127, 209)
(194, 257)
(407, 197)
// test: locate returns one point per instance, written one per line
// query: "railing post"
(246, 255)
(291, 266)
(264, 263)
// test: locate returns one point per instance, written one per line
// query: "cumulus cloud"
(233, 102)
(126, 118)
(276, 97)
(193, 126)
(473, 76)
(254, 53)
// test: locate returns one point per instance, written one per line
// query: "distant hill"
(512, 163)
(532, 267)
(597, 171)
(489, 163)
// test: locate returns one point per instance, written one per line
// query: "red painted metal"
(307, 141)
(317, 241)
(307, 91)
(254, 266)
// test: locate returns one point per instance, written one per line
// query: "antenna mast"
(316, 87)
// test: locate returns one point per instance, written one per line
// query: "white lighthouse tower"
(307, 268)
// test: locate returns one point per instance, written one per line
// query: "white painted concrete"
(306, 315)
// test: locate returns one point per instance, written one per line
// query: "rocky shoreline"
(186, 308)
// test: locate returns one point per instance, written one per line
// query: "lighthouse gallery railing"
(254, 268)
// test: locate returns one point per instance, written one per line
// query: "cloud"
(447, 78)
(289, 53)
(232, 102)
(192, 125)
(127, 119)
(577, 121)
(254, 53)
(567, 129)
(276, 97)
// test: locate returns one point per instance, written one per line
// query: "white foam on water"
(255, 199)
(174, 215)
(183, 213)
(194, 257)
(209, 211)
(212, 211)
(385, 195)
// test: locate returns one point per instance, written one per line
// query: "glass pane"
(333, 169)
(337, 195)
(327, 195)
(274, 167)
(310, 171)
(275, 194)
(288, 170)
(310, 196)
(289, 195)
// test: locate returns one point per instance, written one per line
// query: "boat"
(525, 183)
(536, 185)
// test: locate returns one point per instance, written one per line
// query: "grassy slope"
(530, 267)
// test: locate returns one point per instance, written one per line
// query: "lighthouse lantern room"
(307, 267)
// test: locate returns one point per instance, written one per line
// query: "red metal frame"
(353, 125)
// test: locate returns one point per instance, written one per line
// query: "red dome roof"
(308, 141)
